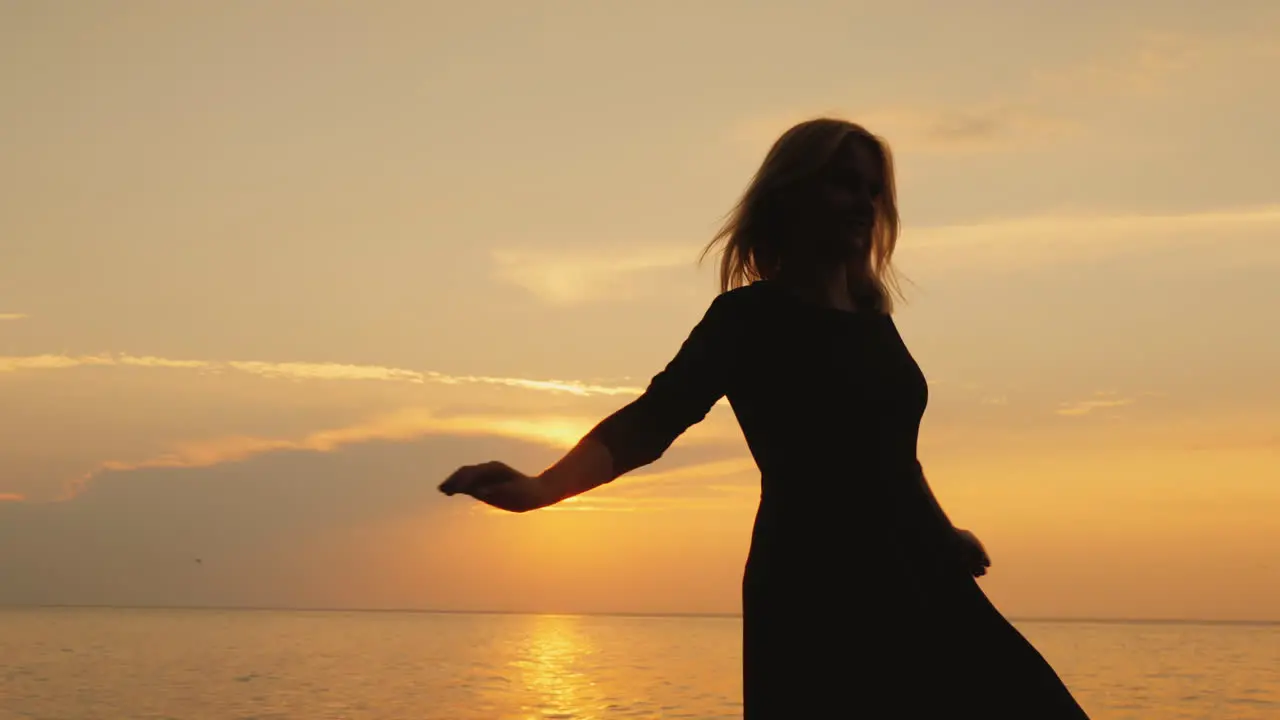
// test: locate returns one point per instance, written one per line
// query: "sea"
(198, 664)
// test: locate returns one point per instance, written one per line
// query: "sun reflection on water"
(551, 667)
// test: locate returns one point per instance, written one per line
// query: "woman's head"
(821, 204)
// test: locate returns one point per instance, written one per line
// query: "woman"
(858, 597)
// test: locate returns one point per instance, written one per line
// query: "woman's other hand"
(972, 553)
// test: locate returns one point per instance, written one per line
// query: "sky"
(270, 271)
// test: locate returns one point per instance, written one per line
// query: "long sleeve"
(680, 395)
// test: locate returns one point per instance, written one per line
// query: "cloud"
(560, 432)
(990, 128)
(557, 432)
(361, 527)
(11, 497)
(177, 449)
(326, 371)
(305, 371)
(572, 278)
(289, 529)
(571, 387)
(1014, 241)
(1047, 237)
(1084, 407)
(1033, 239)
(978, 128)
(56, 362)
(12, 316)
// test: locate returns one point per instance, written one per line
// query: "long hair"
(785, 228)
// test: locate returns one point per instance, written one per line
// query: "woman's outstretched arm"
(637, 434)
(588, 465)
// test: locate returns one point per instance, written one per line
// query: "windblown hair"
(786, 227)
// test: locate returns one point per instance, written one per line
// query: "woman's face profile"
(849, 179)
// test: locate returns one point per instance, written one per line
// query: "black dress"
(855, 601)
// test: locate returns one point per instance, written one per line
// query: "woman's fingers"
(465, 479)
(476, 479)
(457, 481)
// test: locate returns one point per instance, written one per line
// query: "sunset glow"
(268, 276)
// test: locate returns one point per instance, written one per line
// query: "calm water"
(69, 664)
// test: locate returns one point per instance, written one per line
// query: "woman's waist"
(888, 527)
(830, 488)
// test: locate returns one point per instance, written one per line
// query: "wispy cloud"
(977, 128)
(995, 243)
(560, 432)
(1014, 241)
(990, 128)
(567, 278)
(305, 371)
(326, 371)
(14, 363)
(1101, 402)
(571, 387)
(1082, 236)
(12, 316)
(11, 497)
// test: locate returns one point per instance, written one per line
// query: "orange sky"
(271, 271)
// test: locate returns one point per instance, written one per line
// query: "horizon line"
(532, 613)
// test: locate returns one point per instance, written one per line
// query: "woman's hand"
(499, 485)
(972, 554)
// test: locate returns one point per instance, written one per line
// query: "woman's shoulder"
(755, 292)
(746, 300)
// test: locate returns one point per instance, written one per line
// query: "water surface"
(112, 664)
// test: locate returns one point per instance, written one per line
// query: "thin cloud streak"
(326, 371)
(559, 432)
(58, 362)
(1084, 407)
(570, 278)
(1029, 240)
(1005, 230)
(980, 128)
(990, 128)
(572, 387)
(12, 497)
(303, 371)
(1068, 237)
(12, 316)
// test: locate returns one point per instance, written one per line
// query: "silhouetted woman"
(859, 598)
